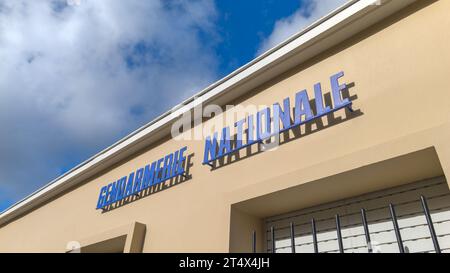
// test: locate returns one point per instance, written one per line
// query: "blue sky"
(244, 25)
(77, 75)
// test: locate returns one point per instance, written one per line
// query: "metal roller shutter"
(411, 219)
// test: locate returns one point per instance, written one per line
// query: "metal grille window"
(345, 220)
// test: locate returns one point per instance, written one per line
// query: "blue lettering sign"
(159, 171)
(281, 119)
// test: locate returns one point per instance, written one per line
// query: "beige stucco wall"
(400, 73)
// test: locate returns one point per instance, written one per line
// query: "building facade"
(357, 117)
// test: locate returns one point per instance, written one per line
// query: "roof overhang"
(325, 33)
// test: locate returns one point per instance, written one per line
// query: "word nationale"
(259, 127)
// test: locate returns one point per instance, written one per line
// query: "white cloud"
(310, 11)
(76, 77)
